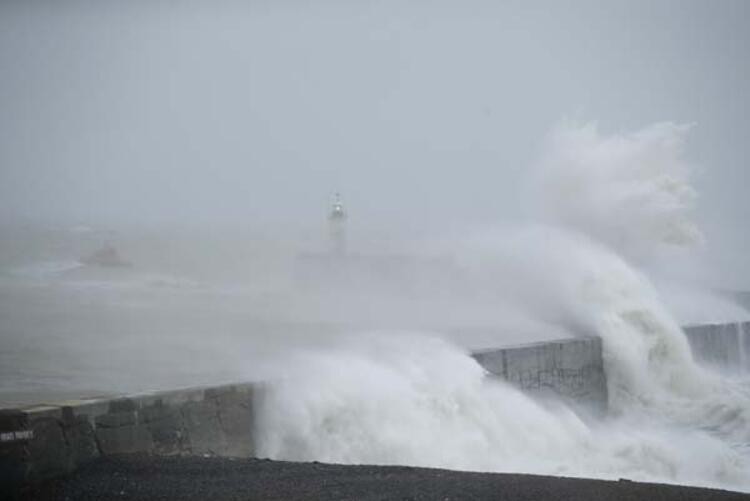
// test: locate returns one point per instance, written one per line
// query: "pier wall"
(572, 369)
(722, 346)
(46, 441)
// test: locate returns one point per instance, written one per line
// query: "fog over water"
(511, 172)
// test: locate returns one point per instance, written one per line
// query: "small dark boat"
(108, 257)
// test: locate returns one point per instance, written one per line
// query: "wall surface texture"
(46, 441)
(571, 369)
(724, 346)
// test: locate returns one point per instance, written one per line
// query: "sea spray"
(598, 292)
(629, 191)
(617, 200)
(412, 398)
(403, 398)
(742, 341)
(603, 204)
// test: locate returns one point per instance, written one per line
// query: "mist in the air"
(510, 172)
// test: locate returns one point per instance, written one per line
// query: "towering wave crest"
(646, 353)
(628, 191)
(602, 202)
(617, 199)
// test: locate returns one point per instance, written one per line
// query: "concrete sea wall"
(570, 368)
(723, 346)
(573, 369)
(46, 441)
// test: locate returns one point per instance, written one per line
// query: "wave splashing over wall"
(628, 191)
(410, 398)
(406, 399)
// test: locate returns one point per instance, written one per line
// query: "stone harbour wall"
(724, 346)
(572, 369)
(46, 441)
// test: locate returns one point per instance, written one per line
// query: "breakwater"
(49, 440)
(46, 441)
(721, 345)
(571, 369)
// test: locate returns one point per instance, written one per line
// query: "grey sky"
(255, 111)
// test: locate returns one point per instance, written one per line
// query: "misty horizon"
(510, 172)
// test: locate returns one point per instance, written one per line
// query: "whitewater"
(364, 374)
(602, 206)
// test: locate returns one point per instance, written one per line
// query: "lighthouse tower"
(337, 226)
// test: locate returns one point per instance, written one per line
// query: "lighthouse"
(337, 226)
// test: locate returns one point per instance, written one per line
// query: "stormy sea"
(369, 362)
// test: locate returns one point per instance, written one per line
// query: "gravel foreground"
(144, 477)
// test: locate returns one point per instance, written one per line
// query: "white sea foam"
(409, 399)
(628, 191)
